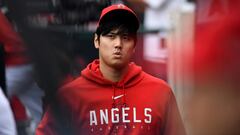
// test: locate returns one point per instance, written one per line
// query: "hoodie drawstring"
(115, 105)
(124, 96)
(114, 95)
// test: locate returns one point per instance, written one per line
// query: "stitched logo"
(116, 97)
(121, 6)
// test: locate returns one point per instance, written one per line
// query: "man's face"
(115, 50)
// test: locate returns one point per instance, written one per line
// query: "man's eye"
(126, 37)
(110, 36)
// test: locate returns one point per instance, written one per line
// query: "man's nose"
(118, 42)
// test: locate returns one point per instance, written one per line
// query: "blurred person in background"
(22, 91)
(215, 105)
(113, 95)
(7, 122)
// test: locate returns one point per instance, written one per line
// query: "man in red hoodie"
(113, 95)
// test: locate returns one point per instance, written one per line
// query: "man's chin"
(118, 64)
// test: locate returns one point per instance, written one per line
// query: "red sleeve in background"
(13, 44)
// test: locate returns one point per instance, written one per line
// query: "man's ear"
(134, 49)
(96, 41)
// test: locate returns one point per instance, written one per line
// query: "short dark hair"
(118, 20)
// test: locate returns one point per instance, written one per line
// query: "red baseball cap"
(121, 12)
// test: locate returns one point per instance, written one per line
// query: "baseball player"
(113, 95)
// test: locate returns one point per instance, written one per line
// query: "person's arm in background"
(141, 5)
(138, 5)
(156, 4)
(7, 123)
(16, 61)
(10, 39)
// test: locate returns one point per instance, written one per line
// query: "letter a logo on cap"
(121, 6)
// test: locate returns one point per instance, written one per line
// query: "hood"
(132, 77)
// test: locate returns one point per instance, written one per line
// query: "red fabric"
(217, 40)
(92, 72)
(150, 105)
(13, 44)
(19, 110)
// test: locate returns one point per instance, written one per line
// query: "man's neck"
(111, 73)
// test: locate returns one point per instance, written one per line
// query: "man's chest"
(129, 111)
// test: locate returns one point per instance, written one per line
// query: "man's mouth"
(117, 52)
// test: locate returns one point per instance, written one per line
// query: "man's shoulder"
(154, 81)
(74, 84)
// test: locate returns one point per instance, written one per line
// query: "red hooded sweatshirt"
(12, 43)
(139, 104)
